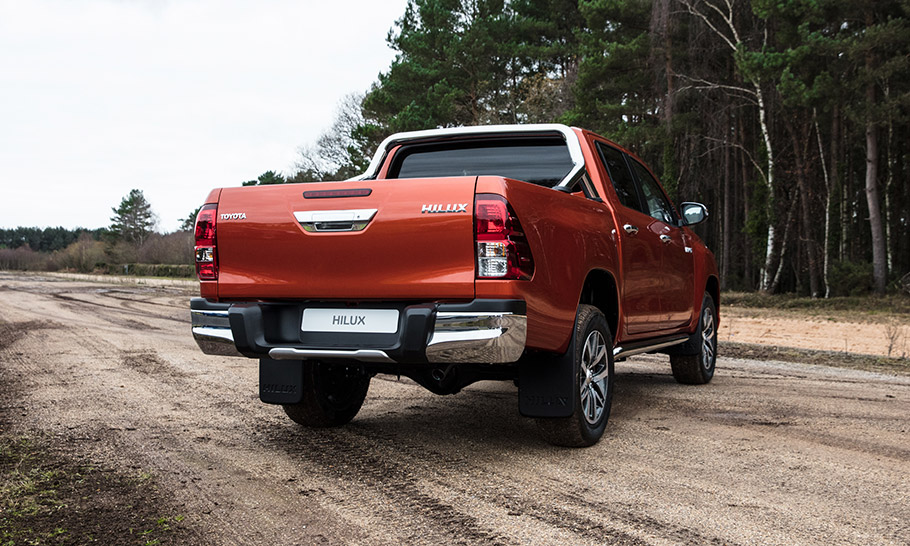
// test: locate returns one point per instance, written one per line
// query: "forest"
(130, 245)
(787, 118)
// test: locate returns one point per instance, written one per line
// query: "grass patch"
(894, 308)
(869, 363)
(47, 499)
(890, 304)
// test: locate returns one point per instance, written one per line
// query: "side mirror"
(692, 213)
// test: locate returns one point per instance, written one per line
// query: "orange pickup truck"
(538, 254)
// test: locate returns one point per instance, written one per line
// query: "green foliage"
(264, 179)
(851, 279)
(189, 223)
(671, 81)
(25, 488)
(449, 63)
(852, 306)
(467, 62)
(614, 94)
(459, 62)
(133, 220)
(89, 255)
(46, 497)
(823, 51)
(43, 239)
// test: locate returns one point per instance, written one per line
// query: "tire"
(593, 392)
(697, 368)
(332, 394)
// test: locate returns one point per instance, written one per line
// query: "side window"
(619, 173)
(657, 205)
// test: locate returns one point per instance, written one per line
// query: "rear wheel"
(332, 394)
(697, 368)
(593, 391)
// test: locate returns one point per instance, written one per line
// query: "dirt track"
(768, 453)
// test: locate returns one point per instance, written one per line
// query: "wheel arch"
(712, 286)
(600, 290)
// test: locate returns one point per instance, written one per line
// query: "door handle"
(665, 239)
(630, 229)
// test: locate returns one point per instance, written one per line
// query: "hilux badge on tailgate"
(450, 207)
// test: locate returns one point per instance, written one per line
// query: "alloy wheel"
(708, 338)
(594, 375)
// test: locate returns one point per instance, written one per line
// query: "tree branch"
(750, 94)
(690, 6)
(724, 143)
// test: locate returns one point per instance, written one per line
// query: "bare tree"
(719, 17)
(335, 154)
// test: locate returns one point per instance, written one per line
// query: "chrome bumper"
(474, 337)
(455, 337)
(212, 332)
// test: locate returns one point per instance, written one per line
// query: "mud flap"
(280, 381)
(546, 384)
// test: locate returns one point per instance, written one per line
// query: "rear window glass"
(542, 161)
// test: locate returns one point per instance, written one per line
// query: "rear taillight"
(502, 248)
(206, 256)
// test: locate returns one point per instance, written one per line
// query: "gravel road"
(768, 453)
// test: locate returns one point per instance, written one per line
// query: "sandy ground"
(777, 328)
(780, 328)
(768, 453)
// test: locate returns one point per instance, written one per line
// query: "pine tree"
(189, 223)
(133, 220)
(265, 179)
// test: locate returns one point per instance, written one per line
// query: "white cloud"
(173, 97)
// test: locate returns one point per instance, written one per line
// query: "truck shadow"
(482, 418)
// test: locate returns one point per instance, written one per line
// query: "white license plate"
(367, 321)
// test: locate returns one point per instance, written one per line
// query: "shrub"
(173, 248)
(22, 259)
(84, 256)
(121, 252)
(851, 279)
(152, 270)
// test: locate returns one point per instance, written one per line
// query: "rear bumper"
(212, 328)
(482, 331)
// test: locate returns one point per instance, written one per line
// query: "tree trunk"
(826, 260)
(806, 216)
(775, 282)
(668, 61)
(889, 179)
(728, 212)
(846, 211)
(879, 266)
(769, 182)
(747, 255)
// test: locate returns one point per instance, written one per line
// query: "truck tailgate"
(275, 243)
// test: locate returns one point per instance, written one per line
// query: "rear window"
(542, 161)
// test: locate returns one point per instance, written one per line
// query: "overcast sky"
(174, 97)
